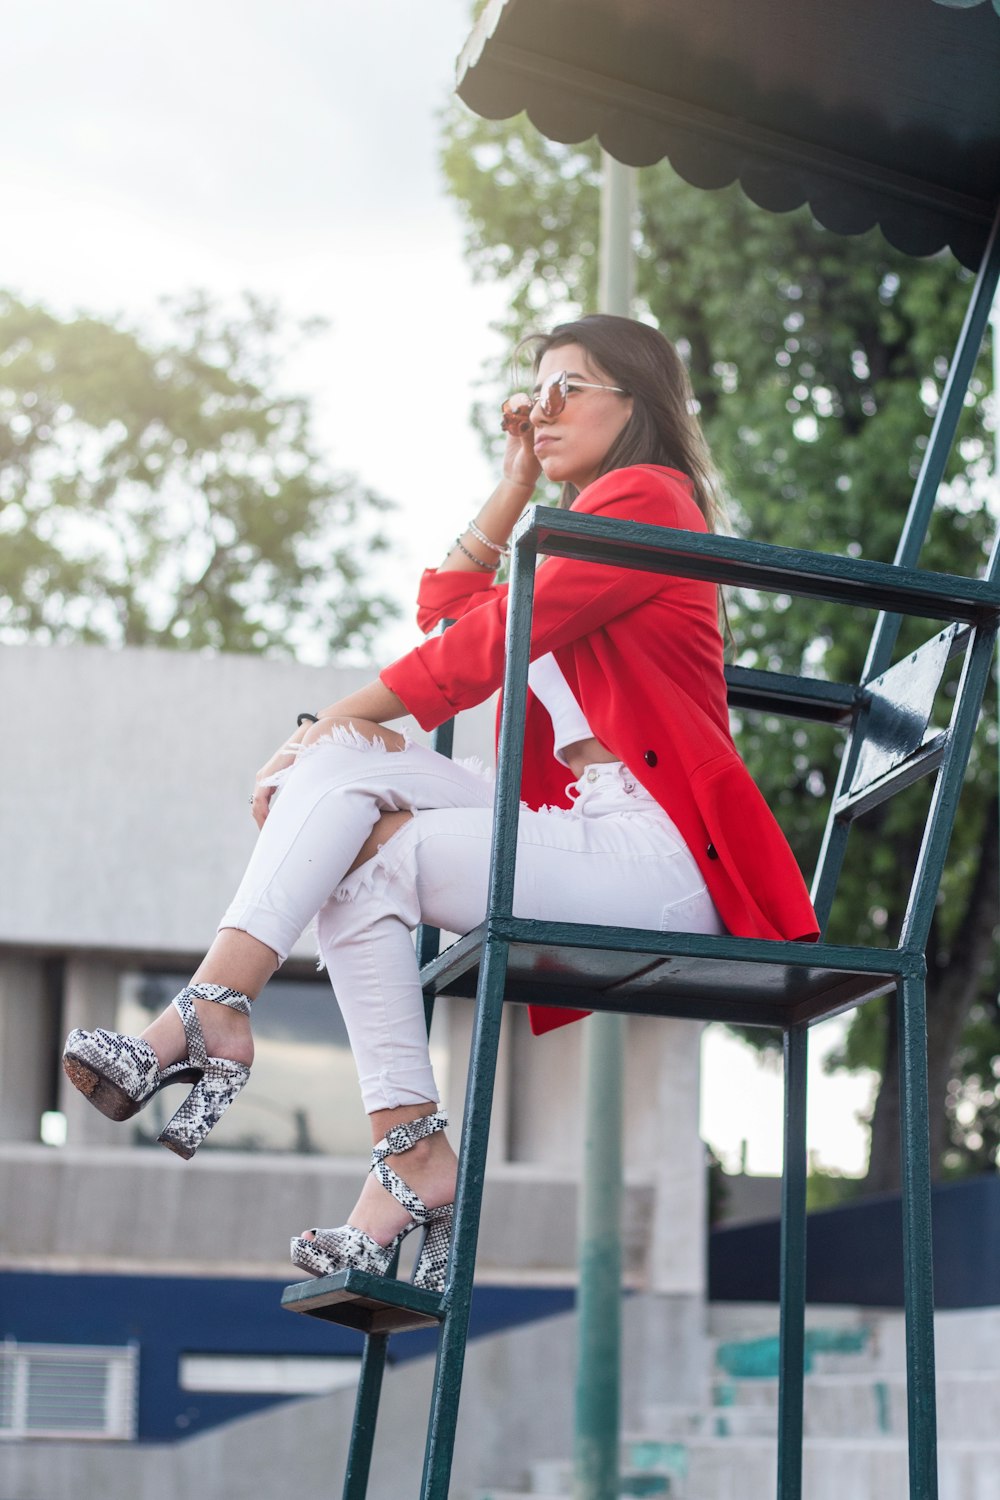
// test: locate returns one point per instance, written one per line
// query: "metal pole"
(995, 333)
(939, 443)
(598, 1381)
(436, 1481)
(793, 1266)
(598, 1371)
(918, 1244)
(616, 268)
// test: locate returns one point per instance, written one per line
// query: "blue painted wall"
(173, 1315)
(854, 1254)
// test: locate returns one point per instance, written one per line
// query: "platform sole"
(104, 1095)
(109, 1097)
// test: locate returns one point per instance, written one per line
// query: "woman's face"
(572, 445)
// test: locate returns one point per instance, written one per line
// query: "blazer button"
(650, 757)
(712, 852)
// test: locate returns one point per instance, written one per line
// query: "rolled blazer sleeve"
(449, 593)
(465, 665)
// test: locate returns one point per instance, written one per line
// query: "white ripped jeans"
(614, 858)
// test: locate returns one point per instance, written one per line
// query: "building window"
(303, 1091)
(277, 1374)
(67, 1391)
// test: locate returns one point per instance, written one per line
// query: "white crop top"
(546, 680)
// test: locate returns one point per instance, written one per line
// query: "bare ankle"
(227, 1033)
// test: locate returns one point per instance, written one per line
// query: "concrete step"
(965, 1340)
(828, 1348)
(843, 1406)
(708, 1468)
(864, 1405)
(633, 1487)
(738, 1320)
(492, 1494)
(720, 1469)
(655, 1477)
(724, 1447)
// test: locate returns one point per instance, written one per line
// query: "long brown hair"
(663, 428)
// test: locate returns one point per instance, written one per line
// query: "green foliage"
(829, 1189)
(817, 362)
(973, 1103)
(160, 491)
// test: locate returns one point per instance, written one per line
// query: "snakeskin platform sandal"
(348, 1248)
(120, 1074)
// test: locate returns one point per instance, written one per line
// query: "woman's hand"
(284, 756)
(520, 466)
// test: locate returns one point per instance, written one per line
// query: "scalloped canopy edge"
(854, 166)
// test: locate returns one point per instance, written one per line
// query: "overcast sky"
(291, 150)
(286, 149)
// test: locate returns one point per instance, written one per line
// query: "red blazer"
(643, 655)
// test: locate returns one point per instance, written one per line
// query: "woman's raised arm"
(497, 518)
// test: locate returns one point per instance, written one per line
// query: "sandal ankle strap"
(394, 1143)
(184, 1005)
(401, 1137)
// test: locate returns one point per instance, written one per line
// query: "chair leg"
(468, 1203)
(597, 1420)
(918, 1256)
(359, 1457)
(793, 1268)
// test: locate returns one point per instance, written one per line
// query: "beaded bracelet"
(487, 567)
(482, 537)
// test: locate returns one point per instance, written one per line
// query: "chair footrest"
(373, 1304)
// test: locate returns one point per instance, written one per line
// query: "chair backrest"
(896, 708)
(890, 744)
(893, 742)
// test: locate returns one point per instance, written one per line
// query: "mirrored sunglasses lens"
(552, 397)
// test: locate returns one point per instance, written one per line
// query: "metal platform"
(744, 981)
(372, 1304)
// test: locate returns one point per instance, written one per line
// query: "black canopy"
(871, 111)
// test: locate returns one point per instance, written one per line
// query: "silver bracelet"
(487, 567)
(481, 537)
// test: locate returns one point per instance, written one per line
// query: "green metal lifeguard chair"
(874, 112)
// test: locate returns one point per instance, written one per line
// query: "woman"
(638, 811)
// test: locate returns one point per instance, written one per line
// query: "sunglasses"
(550, 399)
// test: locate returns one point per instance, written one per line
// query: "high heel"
(432, 1262)
(347, 1248)
(120, 1074)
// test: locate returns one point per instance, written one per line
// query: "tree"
(160, 491)
(817, 362)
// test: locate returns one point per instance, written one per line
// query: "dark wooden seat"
(743, 981)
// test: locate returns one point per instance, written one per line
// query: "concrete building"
(144, 1346)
